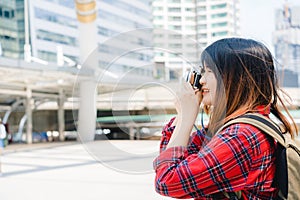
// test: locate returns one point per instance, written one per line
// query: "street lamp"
(27, 47)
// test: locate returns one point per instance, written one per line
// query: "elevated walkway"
(39, 87)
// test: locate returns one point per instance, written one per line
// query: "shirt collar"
(263, 109)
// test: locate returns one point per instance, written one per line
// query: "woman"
(238, 78)
(2, 142)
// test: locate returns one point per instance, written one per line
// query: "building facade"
(216, 20)
(286, 40)
(182, 28)
(53, 32)
(12, 28)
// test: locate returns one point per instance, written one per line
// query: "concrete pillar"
(131, 133)
(87, 111)
(138, 133)
(28, 113)
(167, 74)
(86, 15)
(61, 115)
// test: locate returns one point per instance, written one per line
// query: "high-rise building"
(53, 27)
(182, 28)
(12, 28)
(286, 40)
(216, 20)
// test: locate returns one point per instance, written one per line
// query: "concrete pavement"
(70, 170)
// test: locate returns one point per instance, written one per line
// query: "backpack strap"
(260, 122)
(237, 195)
(233, 195)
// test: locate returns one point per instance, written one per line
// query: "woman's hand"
(187, 104)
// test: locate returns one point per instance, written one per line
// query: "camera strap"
(203, 131)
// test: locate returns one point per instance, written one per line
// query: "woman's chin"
(206, 102)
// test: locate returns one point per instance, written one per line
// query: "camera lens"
(193, 77)
(197, 81)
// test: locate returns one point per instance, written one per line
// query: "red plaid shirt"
(240, 157)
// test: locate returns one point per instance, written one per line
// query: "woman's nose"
(202, 80)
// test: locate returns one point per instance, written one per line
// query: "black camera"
(193, 77)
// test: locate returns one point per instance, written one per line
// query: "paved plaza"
(100, 170)
(76, 171)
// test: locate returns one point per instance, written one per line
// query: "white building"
(217, 19)
(184, 27)
(286, 40)
(54, 31)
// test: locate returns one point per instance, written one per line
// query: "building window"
(188, 27)
(7, 13)
(67, 3)
(201, 8)
(175, 36)
(189, 9)
(106, 32)
(174, 9)
(221, 24)
(55, 37)
(159, 35)
(204, 44)
(202, 26)
(203, 35)
(158, 17)
(159, 54)
(103, 15)
(158, 26)
(175, 45)
(219, 6)
(219, 15)
(190, 19)
(175, 19)
(157, 8)
(219, 34)
(54, 17)
(201, 17)
(46, 55)
(175, 27)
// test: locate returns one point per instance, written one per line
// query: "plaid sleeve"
(166, 134)
(224, 164)
(195, 141)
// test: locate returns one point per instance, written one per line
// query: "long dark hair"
(246, 78)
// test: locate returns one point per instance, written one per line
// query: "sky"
(258, 19)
